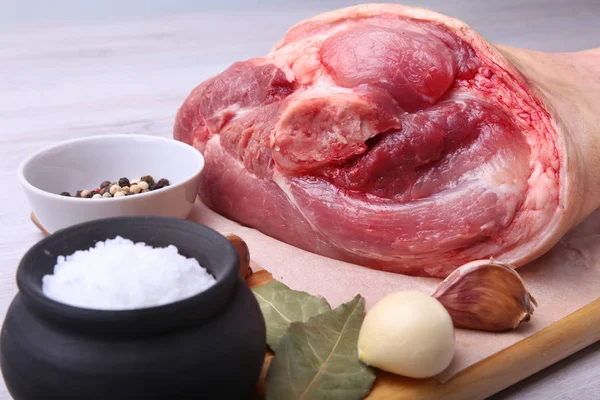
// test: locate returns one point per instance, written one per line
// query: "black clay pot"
(211, 345)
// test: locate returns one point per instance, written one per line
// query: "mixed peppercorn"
(122, 187)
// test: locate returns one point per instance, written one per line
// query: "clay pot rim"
(189, 237)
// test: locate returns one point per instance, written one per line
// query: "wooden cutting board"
(507, 367)
(489, 376)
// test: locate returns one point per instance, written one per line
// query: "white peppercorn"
(115, 189)
(118, 194)
(143, 185)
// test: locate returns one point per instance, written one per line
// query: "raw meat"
(388, 136)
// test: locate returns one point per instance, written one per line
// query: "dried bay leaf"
(318, 359)
(281, 306)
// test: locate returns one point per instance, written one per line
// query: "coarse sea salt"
(118, 274)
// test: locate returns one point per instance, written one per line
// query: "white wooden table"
(126, 67)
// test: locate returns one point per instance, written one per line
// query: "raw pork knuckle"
(399, 139)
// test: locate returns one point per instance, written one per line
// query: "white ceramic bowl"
(84, 163)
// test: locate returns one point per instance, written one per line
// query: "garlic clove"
(486, 295)
(407, 333)
(243, 253)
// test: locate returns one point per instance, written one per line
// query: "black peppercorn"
(163, 182)
(105, 189)
(66, 194)
(148, 179)
(154, 186)
(78, 193)
(104, 184)
(123, 182)
(90, 195)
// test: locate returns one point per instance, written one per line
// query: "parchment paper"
(562, 281)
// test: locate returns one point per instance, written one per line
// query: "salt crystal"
(119, 274)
